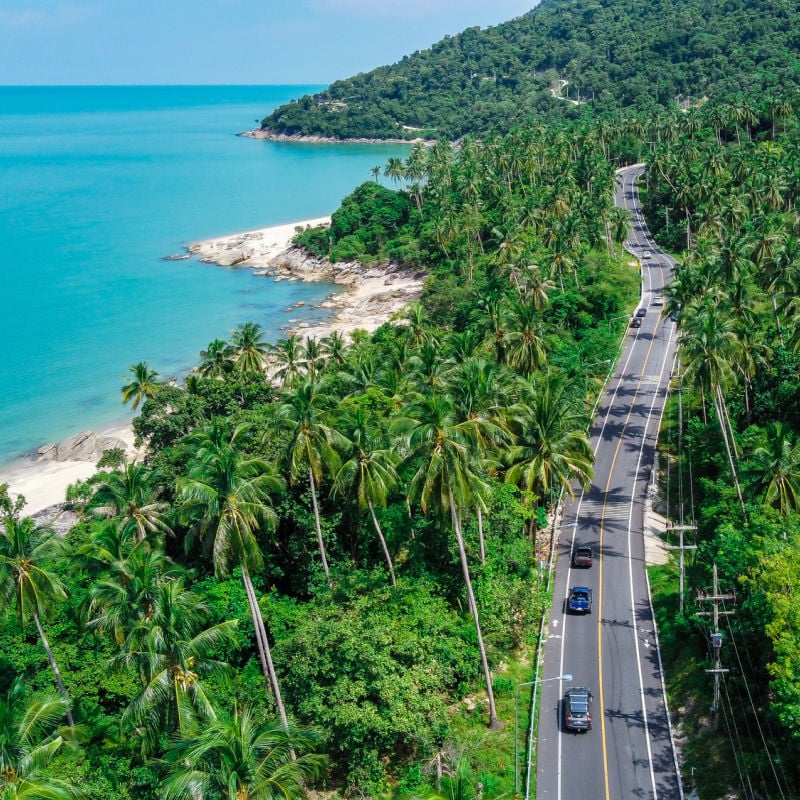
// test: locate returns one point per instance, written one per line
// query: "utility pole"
(682, 547)
(716, 640)
(681, 527)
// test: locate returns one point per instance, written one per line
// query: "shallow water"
(98, 184)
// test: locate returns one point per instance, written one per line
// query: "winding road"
(613, 651)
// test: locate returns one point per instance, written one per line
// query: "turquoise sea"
(98, 184)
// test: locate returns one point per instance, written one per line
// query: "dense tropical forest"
(563, 59)
(328, 575)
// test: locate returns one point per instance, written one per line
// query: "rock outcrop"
(86, 446)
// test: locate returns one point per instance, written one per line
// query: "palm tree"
(241, 758)
(126, 595)
(394, 169)
(215, 361)
(707, 347)
(171, 652)
(333, 347)
(287, 357)
(312, 445)
(130, 495)
(145, 384)
(29, 740)
(774, 467)
(26, 582)
(444, 452)
(524, 344)
(249, 347)
(225, 495)
(553, 449)
(369, 474)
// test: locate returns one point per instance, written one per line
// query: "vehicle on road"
(636, 322)
(641, 312)
(580, 600)
(647, 255)
(577, 702)
(658, 300)
(582, 556)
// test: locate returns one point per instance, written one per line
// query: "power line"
(716, 639)
(763, 738)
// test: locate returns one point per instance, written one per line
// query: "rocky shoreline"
(372, 295)
(272, 136)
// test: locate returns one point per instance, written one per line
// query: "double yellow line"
(600, 579)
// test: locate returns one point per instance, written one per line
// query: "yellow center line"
(602, 529)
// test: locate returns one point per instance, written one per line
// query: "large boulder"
(85, 446)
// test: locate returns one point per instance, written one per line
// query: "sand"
(44, 483)
(370, 298)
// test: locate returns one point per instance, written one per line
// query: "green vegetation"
(724, 183)
(563, 59)
(348, 548)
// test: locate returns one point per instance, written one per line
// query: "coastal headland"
(369, 297)
(272, 136)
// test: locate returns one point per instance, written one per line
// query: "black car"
(577, 702)
(636, 322)
(641, 312)
(582, 556)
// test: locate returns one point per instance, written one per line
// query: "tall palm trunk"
(264, 652)
(493, 721)
(54, 666)
(383, 543)
(481, 542)
(317, 523)
(723, 429)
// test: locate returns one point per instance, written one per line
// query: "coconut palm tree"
(248, 347)
(394, 169)
(774, 467)
(707, 347)
(29, 740)
(25, 582)
(334, 348)
(368, 474)
(225, 498)
(215, 361)
(524, 344)
(552, 448)
(145, 384)
(443, 452)
(126, 594)
(129, 494)
(171, 652)
(241, 758)
(312, 445)
(288, 358)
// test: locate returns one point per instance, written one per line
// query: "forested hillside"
(560, 60)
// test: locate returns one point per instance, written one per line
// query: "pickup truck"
(580, 600)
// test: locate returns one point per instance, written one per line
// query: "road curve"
(613, 651)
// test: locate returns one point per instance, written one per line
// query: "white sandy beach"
(43, 483)
(369, 300)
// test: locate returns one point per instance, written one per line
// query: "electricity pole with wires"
(716, 640)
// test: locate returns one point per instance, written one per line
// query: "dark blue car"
(580, 600)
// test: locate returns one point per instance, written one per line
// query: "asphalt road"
(613, 651)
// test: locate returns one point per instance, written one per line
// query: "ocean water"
(97, 184)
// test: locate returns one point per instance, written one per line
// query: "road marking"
(614, 510)
(642, 381)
